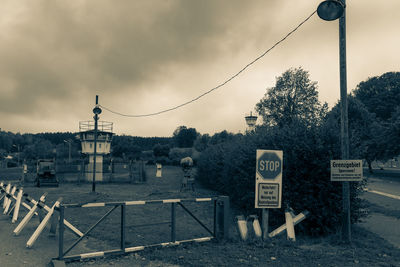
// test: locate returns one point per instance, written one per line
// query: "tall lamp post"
(96, 111)
(69, 150)
(331, 10)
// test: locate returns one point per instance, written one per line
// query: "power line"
(218, 86)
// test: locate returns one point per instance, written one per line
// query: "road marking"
(383, 194)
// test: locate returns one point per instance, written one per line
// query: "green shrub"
(230, 169)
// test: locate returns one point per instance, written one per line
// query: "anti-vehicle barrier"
(220, 225)
(39, 208)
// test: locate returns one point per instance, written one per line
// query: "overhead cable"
(218, 86)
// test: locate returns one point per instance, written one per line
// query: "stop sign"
(269, 165)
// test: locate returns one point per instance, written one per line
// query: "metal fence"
(81, 172)
(220, 226)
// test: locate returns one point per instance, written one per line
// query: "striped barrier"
(133, 249)
(220, 229)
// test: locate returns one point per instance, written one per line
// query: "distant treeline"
(61, 144)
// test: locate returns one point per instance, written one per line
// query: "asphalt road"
(383, 194)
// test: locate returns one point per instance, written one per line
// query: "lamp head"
(330, 10)
(97, 110)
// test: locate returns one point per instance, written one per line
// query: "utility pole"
(330, 10)
(344, 124)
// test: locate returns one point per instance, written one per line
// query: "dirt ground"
(366, 249)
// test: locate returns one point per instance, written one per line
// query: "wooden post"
(173, 223)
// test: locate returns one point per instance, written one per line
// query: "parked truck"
(46, 173)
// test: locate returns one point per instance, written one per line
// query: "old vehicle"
(46, 173)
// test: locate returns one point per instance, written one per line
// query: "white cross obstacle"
(11, 194)
(295, 220)
(29, 215)
(288, 226)
(9, 200)
(17, 204)
(5, 200)
(40, 205)
(42, 225)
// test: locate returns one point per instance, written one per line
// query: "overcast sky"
(145, 56)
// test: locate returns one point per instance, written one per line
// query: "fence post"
(173, 223)
(123, 227)
(131, 172)
(223, 217)
(215, 217)
(61, 233)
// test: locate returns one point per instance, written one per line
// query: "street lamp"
(69, 150)
(18, 148)
(332, 10)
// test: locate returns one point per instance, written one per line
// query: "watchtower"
(251, 122)
(103, 145)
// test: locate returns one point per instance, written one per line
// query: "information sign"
(346, 170)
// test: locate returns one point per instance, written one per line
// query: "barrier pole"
(173, 223)
(123, 227)
(61, 233)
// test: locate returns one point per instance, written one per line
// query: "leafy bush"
(230, 169)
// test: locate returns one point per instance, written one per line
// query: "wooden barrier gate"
(221, 223)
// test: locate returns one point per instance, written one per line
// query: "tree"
(201, 142)
(221, 137)
(161, 150)
(184, 137)
(366, 133)
(294, 97)
(380, 94)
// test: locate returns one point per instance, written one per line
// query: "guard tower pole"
(96, 112)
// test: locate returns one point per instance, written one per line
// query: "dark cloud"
(57, 55)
